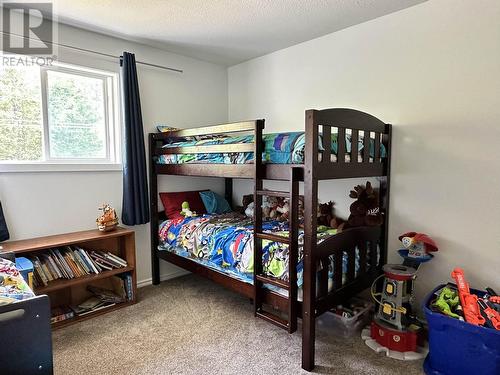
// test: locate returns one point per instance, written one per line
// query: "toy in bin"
(477, 311)
(395, 330)
(464, 335)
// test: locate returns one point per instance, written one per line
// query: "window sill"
(58, 167)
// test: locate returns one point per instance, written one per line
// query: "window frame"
(111, 161)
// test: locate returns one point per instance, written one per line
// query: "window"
(60, 114)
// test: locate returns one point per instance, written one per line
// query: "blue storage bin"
(457, 347)
(25, 267)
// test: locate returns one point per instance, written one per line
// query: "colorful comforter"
(225, 243)
(13, 288)
(279, 148)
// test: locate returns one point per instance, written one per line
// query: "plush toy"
(275, 208)
(186, 211)
(249, 209)
(325, 213)
(284, 211)
(326, 216)
(365, 211)
(247, 199)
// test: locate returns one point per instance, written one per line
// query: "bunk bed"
(361, 147)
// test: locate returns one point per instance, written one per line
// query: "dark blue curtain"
(4, 231)
(135, 208)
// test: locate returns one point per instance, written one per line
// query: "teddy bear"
(325, 213)
(365, 210)
(284, 211)
(326, 216)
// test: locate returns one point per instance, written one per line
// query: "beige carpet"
(192, 326)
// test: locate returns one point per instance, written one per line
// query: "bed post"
(385, 193)
(310, 222)
(228, 190)
(257, 216)
(153, 199)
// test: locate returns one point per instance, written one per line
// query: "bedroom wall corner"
(432, 71)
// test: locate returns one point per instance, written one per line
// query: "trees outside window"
(57, 114)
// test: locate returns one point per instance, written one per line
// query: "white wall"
(431, 70)
(45, 203)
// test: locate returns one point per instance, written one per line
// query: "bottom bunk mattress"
(225, 243)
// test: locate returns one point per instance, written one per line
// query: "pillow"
(214, 203)
(173, 201)
(166, 128)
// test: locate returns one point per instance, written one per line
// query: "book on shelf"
(107, 260)
(91, 305)
(70, 262)
(128, 285)
(58, 314)
(106, 295)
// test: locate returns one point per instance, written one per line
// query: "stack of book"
(71, 262)
(101, 298)
(91, 305)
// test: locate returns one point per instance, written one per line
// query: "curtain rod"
(92, 51)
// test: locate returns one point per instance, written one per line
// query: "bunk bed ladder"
(290, 323)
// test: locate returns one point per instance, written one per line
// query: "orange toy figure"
(469, 301)
(108, 221)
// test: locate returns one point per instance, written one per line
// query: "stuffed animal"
(186, 211)
(326, 216)
(365, 211)
(249, 209)
(325, 213)
(247, 199)
(275, 208)
(284, 211)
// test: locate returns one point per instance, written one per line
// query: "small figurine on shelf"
(186, 211)
(108, 221)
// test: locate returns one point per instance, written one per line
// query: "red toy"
(400, 341)
(394, 329)
(469, 301)
(491, 314)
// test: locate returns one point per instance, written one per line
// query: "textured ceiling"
(222, 31)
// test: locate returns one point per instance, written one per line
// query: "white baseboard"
(168, 276)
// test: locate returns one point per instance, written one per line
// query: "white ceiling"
(222, 31)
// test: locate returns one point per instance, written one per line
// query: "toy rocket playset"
(458, 318)
(395, 330)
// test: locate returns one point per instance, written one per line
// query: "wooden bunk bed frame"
(317, 299)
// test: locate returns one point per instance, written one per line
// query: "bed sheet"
(13, 287)
(225, 243)
(279, 148)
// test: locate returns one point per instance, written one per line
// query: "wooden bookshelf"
(65, 283)
(120, 242)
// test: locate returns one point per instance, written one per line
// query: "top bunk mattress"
(279, 148)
